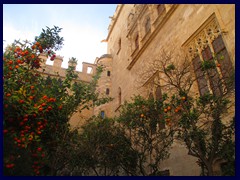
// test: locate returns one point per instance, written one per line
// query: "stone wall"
(133, 46)
(78, 118)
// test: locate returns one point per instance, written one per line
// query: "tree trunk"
(214, 170)
(210, 170)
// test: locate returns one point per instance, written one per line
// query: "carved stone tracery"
(210, 32)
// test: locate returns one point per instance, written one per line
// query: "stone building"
(86, 75)
(139, 32)
(136, 36)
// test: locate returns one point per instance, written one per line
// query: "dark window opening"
(212, 73)
(108, 73)
(207, 54)
(107, 91)
(119, 96)
(224, 62)
(200, 76)
(119, 43)
(102, 114)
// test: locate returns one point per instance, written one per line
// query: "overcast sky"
(84, 26)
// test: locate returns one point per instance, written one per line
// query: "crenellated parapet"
(57, 70)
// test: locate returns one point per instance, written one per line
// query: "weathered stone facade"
(137, 34)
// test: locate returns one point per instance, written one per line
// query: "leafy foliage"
(37, 108)
(144, 120)
(104, 149)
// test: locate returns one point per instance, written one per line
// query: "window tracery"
(207, 47)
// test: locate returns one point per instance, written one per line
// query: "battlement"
(88, 69)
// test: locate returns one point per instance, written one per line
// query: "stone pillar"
(43, 58)
(57, 63)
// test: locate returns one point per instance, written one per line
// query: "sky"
(84, 26)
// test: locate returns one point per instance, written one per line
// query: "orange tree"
(147, 125)
(104, 149)
(36, 108)
(205, 123)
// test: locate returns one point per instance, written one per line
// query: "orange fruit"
(43, 104)
(183, 98)
(21, 101)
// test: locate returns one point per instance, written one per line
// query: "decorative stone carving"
(204, 38)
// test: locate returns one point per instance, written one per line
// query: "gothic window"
(223, 59)
(202, 81)
(107, 91)
(211, 62)
(212, 73)
(119, 96)
(147, 25)
(160, 9)
(207, 54)
(136, 42)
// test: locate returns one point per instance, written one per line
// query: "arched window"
(137, 42)
(119, 96)
(160, 9)
(148, 25)
(108, 73)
